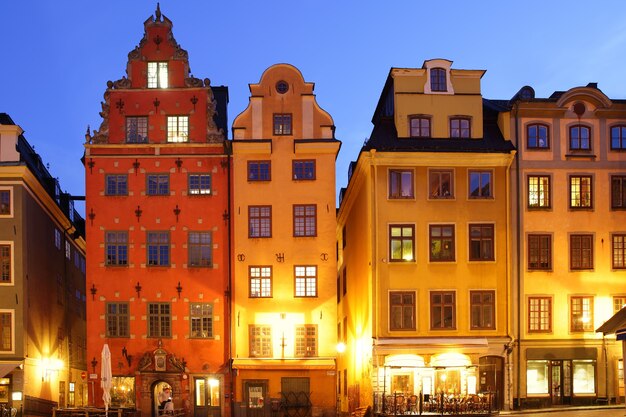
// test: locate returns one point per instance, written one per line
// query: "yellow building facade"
(284, 257)
(424, 252)
(570, 263)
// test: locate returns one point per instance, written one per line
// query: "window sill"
(581, 155)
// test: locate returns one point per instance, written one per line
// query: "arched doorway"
(158, 387)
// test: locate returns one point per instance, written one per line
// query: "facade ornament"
(122, 83)
(192, 81)
(145, 361)
(176, 363)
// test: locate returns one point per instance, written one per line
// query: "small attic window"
(157, 75)
(438, 79)
(282, 87)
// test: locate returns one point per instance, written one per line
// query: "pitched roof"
(614, 324)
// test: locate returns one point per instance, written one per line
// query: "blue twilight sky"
(57, 56)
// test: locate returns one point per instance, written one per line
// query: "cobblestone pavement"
(570, 412)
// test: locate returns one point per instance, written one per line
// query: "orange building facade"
(157, 220)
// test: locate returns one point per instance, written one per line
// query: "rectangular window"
(581, 251)
(117, 319)
(441, 238)
(618, 191)
(68, 250)
(419, 127)
(401, 183)
(157, 75)
(260, 281)
(402, 243)
(306, 340)
(159, 320)
(259, 170)
(137, 129)
(116, 248)
(5, 263)
(116, 185)
(199, 184)
(402, 310)
(158, 248)
(303, 170)
(158, 184)
(481, 242)
(441, 185)
(57, 239)
(618, 303)
(480, 184)
(282, 124)
(442, 310)
(200, 249)
(538, 191)
(539, 314)
(304, 220)
(581, 314)
(537, 137)
(260, 341)
(201, 317)
(259, 221)
(537, 378)
(5, 202)
(306, 281)
(460, 127)
(539, 252)
(482, 310)
(618, 249)
(177, 129)
(6, 331)
(579, 138)
(438, 79)
(580, 191)
(618, 137)
(584, 372)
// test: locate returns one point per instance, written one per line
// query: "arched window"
(579, 138)
(537, 136)
(438, 79)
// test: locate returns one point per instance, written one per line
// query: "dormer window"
(460, 127)
(419, 126)
(157, 75)
(438, 79)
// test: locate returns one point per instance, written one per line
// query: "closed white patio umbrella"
(105, 377)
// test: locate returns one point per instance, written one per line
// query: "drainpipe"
(519, 254)
(229, 289)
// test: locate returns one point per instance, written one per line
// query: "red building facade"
(157, 219)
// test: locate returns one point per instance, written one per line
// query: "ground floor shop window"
(123, 392)
(537, 377)
(584, 377)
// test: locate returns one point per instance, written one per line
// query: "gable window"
(259, 170)
(618, 249)
(580, 190)
(6, 331)
(137, 129)
(581, 314)
(537, 136)
(460, 127)
(579, 138)
(5, 202)
(201, 318)
(442, 310)
(305, 281)
(157, 75)
(158, 184)
(116, 184)
(618, 191)
(259, 221)
(303, 169)
(5, 263)
(438, 79)
(441, 185)
(260, 281)
(260, 338)
(581, 251)
(539, 314)
(480, 185)
(538, 191)
(177, 128)
(481, 242)
(199, 184)
(441, 238)
(306, 340)
(400, 183)
(116, 247)
(402, 310)
(618, 137)
(200, 249)
(159, 320)
(282, 124)
(304, 220)
(402, 243)
(158, 248)
(482, 310)
(419, 127)
(539, 252)
(117, 319)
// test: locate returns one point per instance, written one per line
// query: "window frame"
(618, 202)
(580, 128)
(438, 80)
(432, 239)
(10, 315)
(578, 252)
(403, 306)
(540, 239)
(443, 305)
(303, 170)
(618, 251)
(197, 314)
(141, 127)
(160, 319)
(540, 186)
(543, 311)
(537, 139)
(282, 124)
(6, 202)
(7, 262)
(265, 282)
(160, 246)
(116, 184)
(119, 319)
(438, 192)
(483, 308)
(621, 138)
(402, 239)
(305, 285)
(258, 164)
(260, 221)
(461, 129)
(572, 198)
(155, 78)
(396, 184)
(481, 239)
(303, 226)
(117, 245)
(577, 314)
(177, 128)
(200, 186)
(159, 179)
(424, 125)
(260, 335)
(619, 302)
(199, 246)
(480, 173)
(306, 342)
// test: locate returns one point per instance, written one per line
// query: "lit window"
(581, 251)
(440, 184)
(200, 249)
(402, 243)
(538, 191)
(442, 310)
(306, 340)
(584, 373)
(259, 170)
(618, 192)
(400, 184)
(419, 127)
(117, 319)
(177, 128)
(158, 184)
(282, 124)
(5, 202)
(481, 242)
(303, 170)
(199, 184)
(304, 220)
(260, 338)
(260, 281)
(306, 281)
(441, 243)
(116, 248)
(480, 184)
(259, 221)
(580, 188)
(581, 314)
(539, 252)
(539, 314)
(619, 302)
(460, 127)
(618, 137)
(137, 129)
(158, 244)
(201, 318)
(618, 249)
(157, 75)
(438, 79)
(402, 310)
(537, 377)
(537, 136)
(159, 320)
(482, 310)
(579, 138)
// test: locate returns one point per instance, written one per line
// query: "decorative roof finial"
(157, 14)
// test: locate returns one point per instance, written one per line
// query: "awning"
(274, 364)
(7, 367)
(615, 324)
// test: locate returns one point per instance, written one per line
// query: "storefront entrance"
(206, 397)
(561, 382)
(254, 395)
